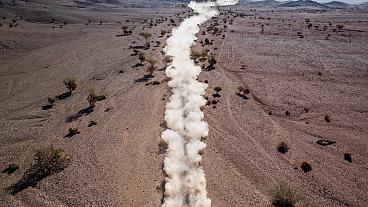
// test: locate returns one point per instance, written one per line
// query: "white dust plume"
(185, 183)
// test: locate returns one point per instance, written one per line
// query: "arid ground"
(305, 84)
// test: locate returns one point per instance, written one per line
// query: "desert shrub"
(347, 157)
(146, 36)
(327, 118)
(306, 167)
(242, 90)
(196, 53)
(125, 29)
(72, 132)
(11, 168)
(217, 89)
(339, 26)
(282, 148)
(287, 113)
(152, 66)
(48, 161)
(283, 196)
(51, 100)
(167, 59)
(93, 98)
(92, 123)
(163, 32)
(211, 60)
(141, 56)
(207, 41)
(199, 53)
(135, 52)
(70, 84)
(50, 104)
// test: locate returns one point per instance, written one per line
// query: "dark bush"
(306, 167)
(70, 84)
(347, 157)
(48, 162)
(327, 118)
(283, 196)
(72, 132)
(282, 148)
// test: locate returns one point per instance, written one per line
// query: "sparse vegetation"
(146, 37)
(48, 162)
(347, 157)
(217, 90)
(340, 27)
(163, 32)
(282, 148)
(92, 123)
(306, 167)
(72, 132)
(327, 118)
(93, 98)
(287, 113)
(283, 196)
(211, 61)
(152, 66)
(126, 30)
(50, 104)
(242, 90)
(70, 84)
(141, 56)
(51, 100)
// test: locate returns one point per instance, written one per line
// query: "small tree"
(70, 84)
(152, 67)
(347, 157)
(125, 29)
(283, 196)
(306, 167)
(47, 162)
(163, 32)
(207, 41)
(243, 91)
(93, 98)
(282, 148)
(146, 37)
(135, 52)
(51, 100)
(72, 132)
(211, 60)
(141, 57)
(340, 27)
(217, 90)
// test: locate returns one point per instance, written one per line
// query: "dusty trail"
(186, 183)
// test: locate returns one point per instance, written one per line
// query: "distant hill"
(304, 3)
(365, 4)
(264, 3)
(337, 4)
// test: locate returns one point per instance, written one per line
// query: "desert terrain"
(297, 76)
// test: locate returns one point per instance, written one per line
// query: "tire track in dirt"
(227, 98)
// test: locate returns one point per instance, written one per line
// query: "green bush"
(70, 84)
(283, 196)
